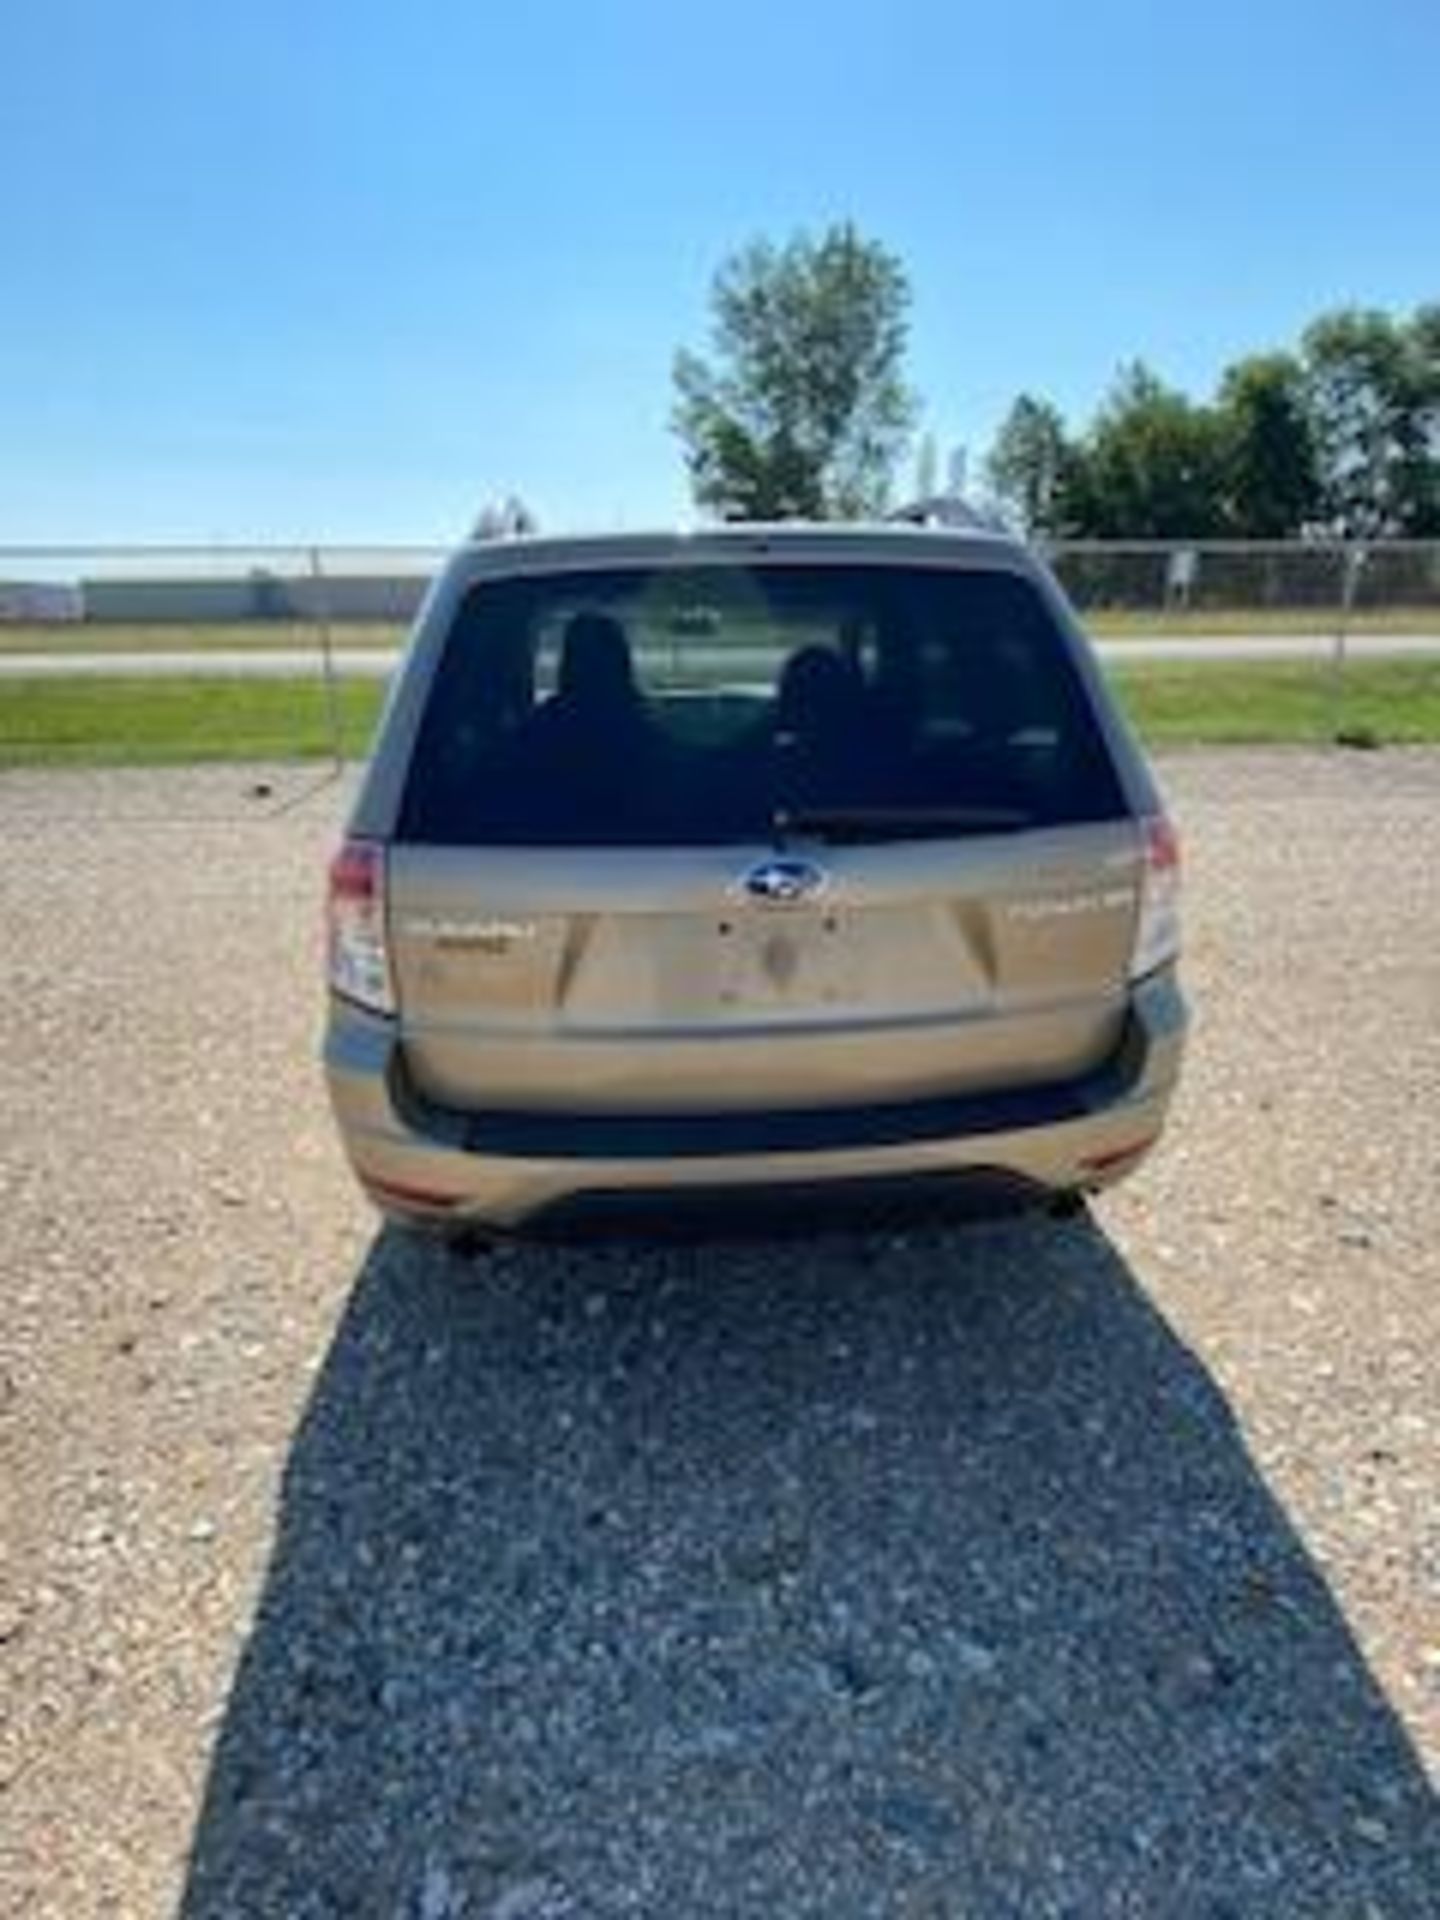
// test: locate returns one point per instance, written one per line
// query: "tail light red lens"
(406, 1195)
(359, 950)
(1157, 927)
(1117, 1156)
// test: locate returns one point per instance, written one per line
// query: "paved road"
(376, 662)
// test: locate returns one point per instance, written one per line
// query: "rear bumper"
(512, 1170)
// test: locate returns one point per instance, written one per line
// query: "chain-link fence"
(264, 665)
(270, 662)
(1234, 641)
(1295, 585)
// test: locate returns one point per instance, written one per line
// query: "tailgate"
(668, 980)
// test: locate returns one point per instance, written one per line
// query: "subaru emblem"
(783, 881)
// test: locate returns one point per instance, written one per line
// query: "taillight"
(359, 955)
(1157, 929)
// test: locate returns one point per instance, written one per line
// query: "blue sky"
(326, 271)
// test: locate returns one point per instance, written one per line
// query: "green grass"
(94, 721)
(1293, 701)
(144, 722)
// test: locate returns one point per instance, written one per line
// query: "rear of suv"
(763, 862)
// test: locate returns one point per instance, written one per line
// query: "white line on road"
(288, 663)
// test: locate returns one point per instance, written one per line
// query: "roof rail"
(507, 519)
(944, 510)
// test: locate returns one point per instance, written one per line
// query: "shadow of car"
(924, 1574)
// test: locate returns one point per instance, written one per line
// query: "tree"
(802, 411)
(1031, 466)
(1342, 437)
(1419, 478)
(1270, 476)
(1373, 389)
(1152, 464)
(927, 469)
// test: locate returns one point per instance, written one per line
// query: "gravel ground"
(1023, 1569)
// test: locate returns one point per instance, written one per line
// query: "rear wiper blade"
(862, 819)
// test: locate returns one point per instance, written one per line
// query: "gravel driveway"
(1018, 1570)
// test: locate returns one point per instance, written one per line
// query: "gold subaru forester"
(791, 868)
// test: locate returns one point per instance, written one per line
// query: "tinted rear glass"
(669, 706)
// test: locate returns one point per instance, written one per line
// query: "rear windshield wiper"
(900, 819)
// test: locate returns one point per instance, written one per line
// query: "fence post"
(1351, 560)
(327, 658)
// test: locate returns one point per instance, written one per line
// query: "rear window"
(671, 706)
